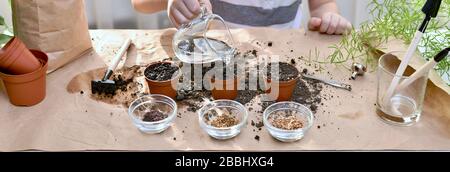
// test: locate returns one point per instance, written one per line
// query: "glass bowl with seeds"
(223, 119)
(287, 121)
(153, 113)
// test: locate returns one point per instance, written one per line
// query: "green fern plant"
(395, 19)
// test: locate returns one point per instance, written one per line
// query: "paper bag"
(57, 27)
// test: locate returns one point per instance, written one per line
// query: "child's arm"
(179, 11)
(326, 19)
(149, 6)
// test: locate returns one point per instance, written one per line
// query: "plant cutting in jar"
(398, 20)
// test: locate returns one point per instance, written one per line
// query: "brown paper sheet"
(65, 121)
(58, 28)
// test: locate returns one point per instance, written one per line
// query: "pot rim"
(12, 46)
(264, 75)
(177, 73)
(28, 77)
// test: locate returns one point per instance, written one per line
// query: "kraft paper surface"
(348, 121)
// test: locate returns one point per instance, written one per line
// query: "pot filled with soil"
(160, 77)
(27, 89)
(16, 59)
(281, 79)
(225, 83)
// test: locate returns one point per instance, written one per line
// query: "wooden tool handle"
(119, 54)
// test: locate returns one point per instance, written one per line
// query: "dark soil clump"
(153, 116)
(287, 72)
(160, 71)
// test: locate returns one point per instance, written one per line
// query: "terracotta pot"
(227, 89)
(27, 89)
(16, 59)
(163, 87)
(285, 89)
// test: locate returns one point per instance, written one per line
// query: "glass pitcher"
(191, 44)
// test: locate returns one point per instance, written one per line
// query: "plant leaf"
(2, 21)
(4, 39)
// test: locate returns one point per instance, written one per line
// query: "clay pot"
(285, 89)
(27, 89)
(163, 87)
(227, 89)
(16, 59)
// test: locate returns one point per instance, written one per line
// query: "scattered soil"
(153, 116)
(287, 72)
(293, 61)
(130, 84)
(245, 96)
(308, 93)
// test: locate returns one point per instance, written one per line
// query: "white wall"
(119, 14)
(108, 14)
(5, 11)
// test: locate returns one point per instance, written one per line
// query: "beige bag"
(57, 27)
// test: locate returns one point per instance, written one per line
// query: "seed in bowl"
(221, 117)
(286, 120)
(154, 115)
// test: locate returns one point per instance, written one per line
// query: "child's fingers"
(174, 22)
(344, 27)
(193, 6)
(334, 23)
(314, 23)
(326, 19)
(181, 6)
(178, 18)
(349, 28)
(207, 4)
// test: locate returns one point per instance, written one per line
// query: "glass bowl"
(161, 104)
(229, 107)
(300, 111)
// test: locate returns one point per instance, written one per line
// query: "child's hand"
(183, 11)
(330, 23)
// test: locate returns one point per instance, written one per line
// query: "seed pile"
(220, 118)
(153, 116)
(285, 121)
